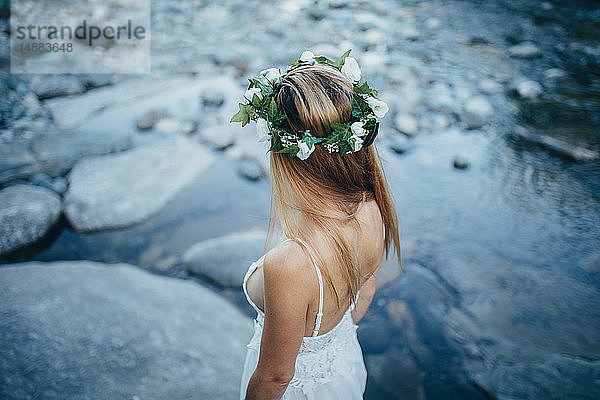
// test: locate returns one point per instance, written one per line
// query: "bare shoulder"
(288, 265)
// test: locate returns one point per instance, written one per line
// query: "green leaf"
(360, 108)
(323, 60)
(291, 150)
(372, 126)
(340, 61)
(311, 140)
(365, 89)
(242, 115)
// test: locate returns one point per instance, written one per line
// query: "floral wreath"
(260, 106)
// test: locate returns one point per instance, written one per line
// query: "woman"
(330, 197)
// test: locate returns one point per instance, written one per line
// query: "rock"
(477, 112)
(524, 50)
(439, 98)
(26, 214)
(551, 379)
(87, 330)
(172, 126)
(546, 6)
(432, 23)
(46, 86)
(406, 31)
(434, 122)
(90, 81)
(557, 146)
(461, 162)
(220, 137)
(490, 86)
(212, 96)
(150, 118)
(121, 189)
(71, 111)
(555, 73)
(529, 89)
(400, 144)
(225, 259)
(250, 170)
(406, 124)
(58, 185)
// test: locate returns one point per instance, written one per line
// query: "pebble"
(529, 89)
(212, 96)
(150, 118)
(555, 73)
(477, 112)
(250, 170)
(524, 50)
(460, 162)
(406, 124)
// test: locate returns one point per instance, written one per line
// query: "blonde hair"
(314, 97)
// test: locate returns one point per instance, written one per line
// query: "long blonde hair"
(314, 97)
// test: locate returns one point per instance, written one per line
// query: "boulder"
(26, 214)
(477, 112)
(121, 189)
(225, 259)
(87, 330)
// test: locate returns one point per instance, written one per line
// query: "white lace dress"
(328, 366)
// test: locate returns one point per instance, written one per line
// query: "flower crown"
(260, 106)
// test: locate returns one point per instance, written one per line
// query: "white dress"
(328, 366)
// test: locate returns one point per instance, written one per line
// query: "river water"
(502, 259)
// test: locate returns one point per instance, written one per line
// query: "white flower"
(357, 142)
(251, 92)
(307, 56)
(305, 151)
(262, 130)
(357, 128)
(269, 75)
(379, 107)
(351, 70)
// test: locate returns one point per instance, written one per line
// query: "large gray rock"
(86, 330)
(225, 259)
(26, 213)
(50, 85)
(121, 189)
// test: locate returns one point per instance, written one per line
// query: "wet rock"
(555, 73)
(461, 162)
(150, 118)
(212, 96)
(524, 50)
(250, 170)
(557, 146)
(490, 86)
(434, 122)
(26, 214)
(477, 112)
(46, 86)
(432, 23)
(374, 334)
(225, 259)
(121, 189)
(550, 379)
(529, 89)
(400, 144)
(90, 81)
(406, 124)
(115, 331)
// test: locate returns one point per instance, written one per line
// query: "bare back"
(370, 238)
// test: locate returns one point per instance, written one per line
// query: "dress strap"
(320, 312)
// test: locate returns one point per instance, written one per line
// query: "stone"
(461, 162)
(400, 144)
(524, 50)
(250, 170)
(212, 96)
(150, 118)
(26, 214)
(490, 86)
(118, 190)
(529, 89)
(220, 137)
(406, 124)
(88, 330)
(557, 146)
(224, 260)
(477, 112)
(46, 86)
(555, 73)
(433, 23)
(172, 126)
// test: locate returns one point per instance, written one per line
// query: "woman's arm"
(288, 284)
(367, 291)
